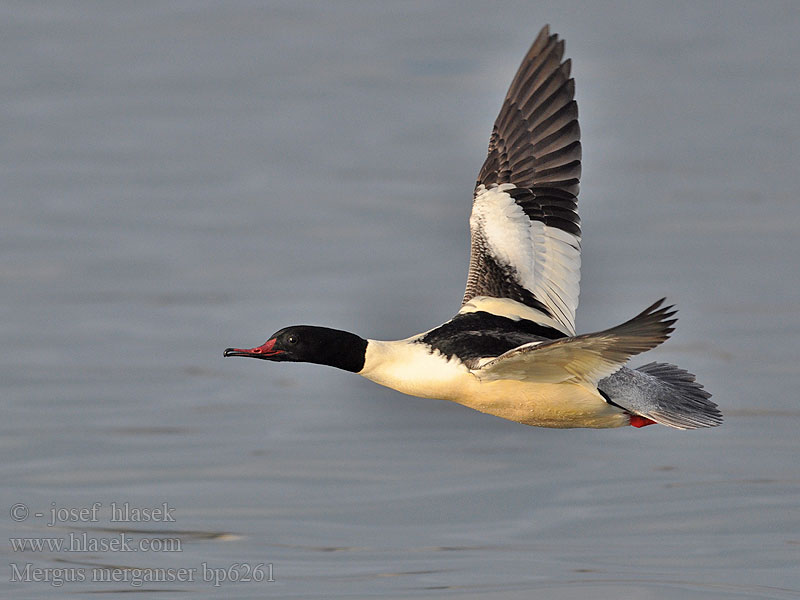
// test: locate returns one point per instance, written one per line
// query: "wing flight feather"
(524, 226)
(585, 358)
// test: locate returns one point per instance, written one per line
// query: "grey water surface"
(179, 177)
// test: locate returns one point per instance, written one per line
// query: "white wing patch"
(545, 260)
(506, 229)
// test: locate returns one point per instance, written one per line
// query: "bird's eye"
(292, 339)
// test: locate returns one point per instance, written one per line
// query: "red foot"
(637, 421)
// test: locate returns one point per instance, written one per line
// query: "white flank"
(412, 369)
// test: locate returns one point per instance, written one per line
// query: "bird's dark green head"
(308, 343)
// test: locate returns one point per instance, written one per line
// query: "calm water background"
(178, 177)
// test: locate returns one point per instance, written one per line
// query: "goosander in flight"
(512, 350)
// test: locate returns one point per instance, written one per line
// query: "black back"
(481, 334)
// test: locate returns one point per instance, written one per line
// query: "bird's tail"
(680, 401)
(661, 393)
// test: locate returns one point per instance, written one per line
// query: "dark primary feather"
(643, 332)
(535, 141)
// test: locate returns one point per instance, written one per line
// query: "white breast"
(413, 369)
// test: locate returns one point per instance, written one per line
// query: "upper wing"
(585, 358)
(525, 228)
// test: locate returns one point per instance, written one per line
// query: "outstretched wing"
(585, 358)
(525, 229)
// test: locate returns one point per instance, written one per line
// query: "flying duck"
(512, 350)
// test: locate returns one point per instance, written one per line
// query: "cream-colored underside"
(411, 369)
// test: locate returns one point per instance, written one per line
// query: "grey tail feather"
(686, 404)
